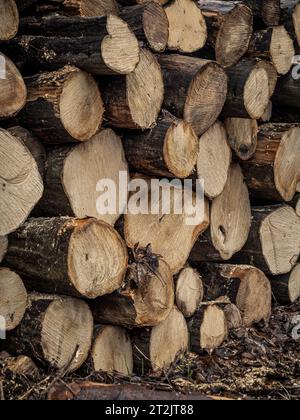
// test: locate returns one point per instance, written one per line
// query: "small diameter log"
(249, 90)
(187, 27)
(147, 304)
(208, 328)
(268, 11)
(291, 17)
(288, 90)
(73, 174)
(273, 44)
(134, 101)
(111, 350)
(13, 299)
(21, 185)
(157, 348)
(3, 247)
(242, 136)
(19, 366)
(189, 291)
(272, 75)
(64, 106)
(274, 171)
(246, 286)
(9, 19)
(12, 88)
(89, 8)
(200, 93)
(214, 160)
(114, 50)
(169, 149)
(286, 288)
(230, 27)
(70, 256)
(163, 227)
(55, 330)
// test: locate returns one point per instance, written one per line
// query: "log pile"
(184, 91)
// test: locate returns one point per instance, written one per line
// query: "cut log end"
(12, 88)
(90, 8)
(13, 299)
(189, 291)
(272, 74)
(282, 50)
(156, 26)
(97, 258)
(296, 21)
(120, 49)
(242, 136)
(21, 186)
(257, 92)
(9, 19)
(187, 27)
(214, 159)
(112, 350)
(3, 247)
(206, 97)
(234, 36)
(294, 284)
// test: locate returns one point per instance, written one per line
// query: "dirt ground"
(258, 363)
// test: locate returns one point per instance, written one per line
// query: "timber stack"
(200, 92)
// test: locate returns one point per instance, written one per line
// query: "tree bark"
(268, 11)
(291, 18)
(288, 90)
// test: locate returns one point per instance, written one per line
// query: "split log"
(169, 221)
(188, 31)
(69, 256)
(3, 247)
(291, 17)
(230, 27)
(245, 286)
(169, 149)
(273, 44)
(189, 291)
(230, 219)
(73, 174)
(214, 160)
(268, 11)
(208, 328)
(274, 171)
(157, 348)
(143, 301)
(55, 330)
(134, 101)
(9, 19)
(111, 350)
(115, 49)
(62, 106)
(286, 288)
(288, 90)
(248, 94)
(201, 89)
(21, 182)
(12, 88)
(13, 299)
(242, 136)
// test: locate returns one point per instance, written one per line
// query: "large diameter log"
(157, 348)
(273, 44)
(111, 350)
(21, 182)
(274, 171)
(134, 101)
(169, 149)
(73, 174)
(138, 305)
(291, 17)
(115, 50)
(3, 247)
(169, 223)
(266, 10)
(12, 88)
(70, 256)
(287, 90)
(63, 106)
(9, 19)
(189, 291)
(230, 26)
(242, 136)
(13, 299)
(246, 286)
(195, 89)
(187, 27)
(214, 160)
(286, 288)
(248, 92)
(55, 330)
